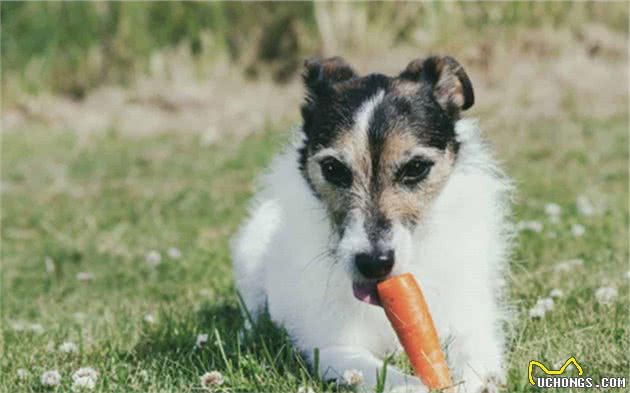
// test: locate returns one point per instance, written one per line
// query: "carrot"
(409, 315)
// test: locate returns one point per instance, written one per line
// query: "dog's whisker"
(317, 258)
(314, 208)
(327, 284)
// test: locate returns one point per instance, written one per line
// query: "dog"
(384, 177)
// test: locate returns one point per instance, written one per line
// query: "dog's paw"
(492, 383)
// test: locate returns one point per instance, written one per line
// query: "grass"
(99, 203)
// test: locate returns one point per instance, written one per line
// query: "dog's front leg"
(477, 353)
(333, 361)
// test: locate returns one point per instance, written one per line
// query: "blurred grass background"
(70, 48)
(130, 127)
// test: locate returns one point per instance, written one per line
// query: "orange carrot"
(408, 313)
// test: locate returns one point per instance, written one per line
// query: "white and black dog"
(384, 178)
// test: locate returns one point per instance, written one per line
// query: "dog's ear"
(320, 77)
(326, 72)
(449, 83)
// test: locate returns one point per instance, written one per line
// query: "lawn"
(84, 215)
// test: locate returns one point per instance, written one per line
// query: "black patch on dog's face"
(329, 109)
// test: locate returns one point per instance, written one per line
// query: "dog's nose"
(375, 264)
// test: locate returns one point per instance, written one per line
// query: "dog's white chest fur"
(282, 261)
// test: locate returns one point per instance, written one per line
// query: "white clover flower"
(352, 377)
(541, 307)
(553, 210)
(606, 295)
(202, 339)
(578, 230)
(562, 267)
(79, 316)
(85, 276)
(22, 374)
(537, 312)
(144, 375)
(174, 253)
(18, 326)
(533, 226)
(546, 303)
(88, 372)
(83, 383)
(305, 389)
(36, 328)
(68, 347)
(556, 293)
(153, 258)
(209, 137)
(211, 380)
(584, 206)
(149, 318)
(205, 292)
(50, 264)
(568, 265)
(51, 378)
(84, 379)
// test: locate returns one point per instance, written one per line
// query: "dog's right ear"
(319, 73)
(449, 83)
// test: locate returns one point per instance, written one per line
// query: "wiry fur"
(458, 251)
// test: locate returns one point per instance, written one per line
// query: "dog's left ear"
(320, 78)
(318, 72)
(450, 85)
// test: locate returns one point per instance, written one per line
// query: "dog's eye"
(335, 172)
(414, 171)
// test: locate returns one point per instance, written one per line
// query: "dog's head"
(377, 151)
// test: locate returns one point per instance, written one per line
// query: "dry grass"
(521, 74)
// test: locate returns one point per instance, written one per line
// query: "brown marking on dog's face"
(381, 195)
(407, 204)
(350, 149)
(355, 147)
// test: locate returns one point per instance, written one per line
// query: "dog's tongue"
(366, 292)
